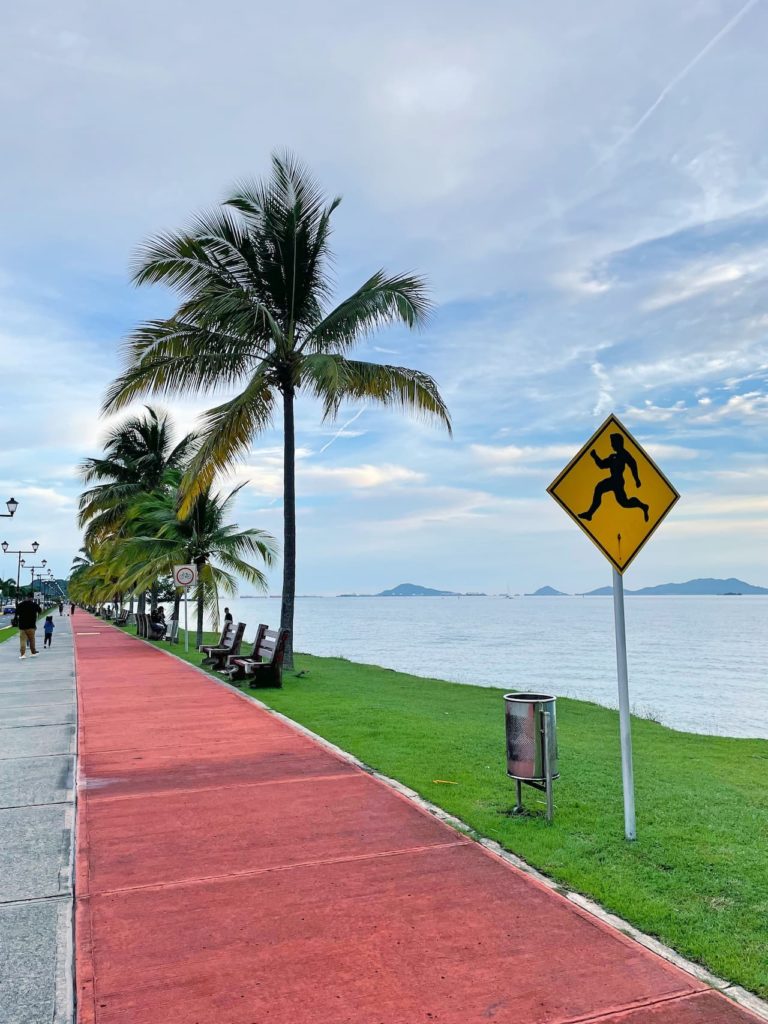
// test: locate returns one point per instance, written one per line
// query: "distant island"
(730, 587)
(415, 590)
(694, 588)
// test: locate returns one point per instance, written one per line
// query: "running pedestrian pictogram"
(615, 492)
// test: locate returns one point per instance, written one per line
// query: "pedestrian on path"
(72, 608)
(26, 619)
(48, 628)
(61, 607)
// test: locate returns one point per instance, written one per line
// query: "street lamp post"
(19, 552)
(32, 570)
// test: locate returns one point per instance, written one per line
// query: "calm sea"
(699, 664)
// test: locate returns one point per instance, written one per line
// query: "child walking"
(48, 628)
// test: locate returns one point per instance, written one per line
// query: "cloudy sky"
(585, 185)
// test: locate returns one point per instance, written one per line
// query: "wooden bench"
(142, 625)
(265, 666)
(217, 654)
(173, 636)
(122, 618)
(220, 642)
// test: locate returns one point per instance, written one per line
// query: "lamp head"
(4, 546)
(35, 545)
(12, 505)
(44, 563)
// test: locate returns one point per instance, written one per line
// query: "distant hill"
(547, 592)
(701, 588)
(414, 590)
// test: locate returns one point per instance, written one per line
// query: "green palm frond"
(379, 302)
(226, 434)
(334, 379)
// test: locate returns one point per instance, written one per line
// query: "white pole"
(624, 716)
(186, 621)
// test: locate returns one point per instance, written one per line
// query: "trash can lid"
(528, 698)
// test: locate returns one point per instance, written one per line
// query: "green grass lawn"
(7, 632)
(697, 876)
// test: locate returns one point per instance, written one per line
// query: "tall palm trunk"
(199, 637)
(153, 595)
(289, 522)
(200, 564)
(142, 605)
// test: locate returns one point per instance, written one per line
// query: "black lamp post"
(19, 552)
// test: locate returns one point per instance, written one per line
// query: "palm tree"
(160, 538)
(255, 314)
(138, 454)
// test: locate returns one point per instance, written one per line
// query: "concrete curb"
(734, 992)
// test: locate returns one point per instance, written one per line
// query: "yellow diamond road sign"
(615, 492)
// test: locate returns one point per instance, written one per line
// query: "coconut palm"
(256, 315)
(160, 538)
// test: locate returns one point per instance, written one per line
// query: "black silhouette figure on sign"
(616, 463)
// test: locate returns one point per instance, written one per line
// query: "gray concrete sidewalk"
(37, 812)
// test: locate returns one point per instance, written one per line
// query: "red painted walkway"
(231, 871)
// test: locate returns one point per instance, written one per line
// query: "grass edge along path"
(697, 876)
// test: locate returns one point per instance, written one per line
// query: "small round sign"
(184, 575)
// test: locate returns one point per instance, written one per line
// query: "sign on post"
(615, 492)
(185, 576)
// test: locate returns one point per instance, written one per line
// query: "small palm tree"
(138, 455)
(160, 538)
(256, 315)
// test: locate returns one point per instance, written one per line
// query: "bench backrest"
(234, 639)
(271, 648)
(173, 636)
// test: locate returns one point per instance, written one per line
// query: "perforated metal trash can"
(524, 714)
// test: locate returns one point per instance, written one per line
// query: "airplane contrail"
(341, 429)
(679, 78)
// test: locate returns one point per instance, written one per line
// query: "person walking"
(48, 628)
(72, 608)
(26, 619)
(61, 607)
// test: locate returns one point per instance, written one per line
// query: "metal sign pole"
(186, 621)
(624, 717)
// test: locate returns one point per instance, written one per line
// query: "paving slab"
(35, 969)
(20, 696)
(35, 853)
(231, 869)
(37, 780)
(37, 740)
(36, 714)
